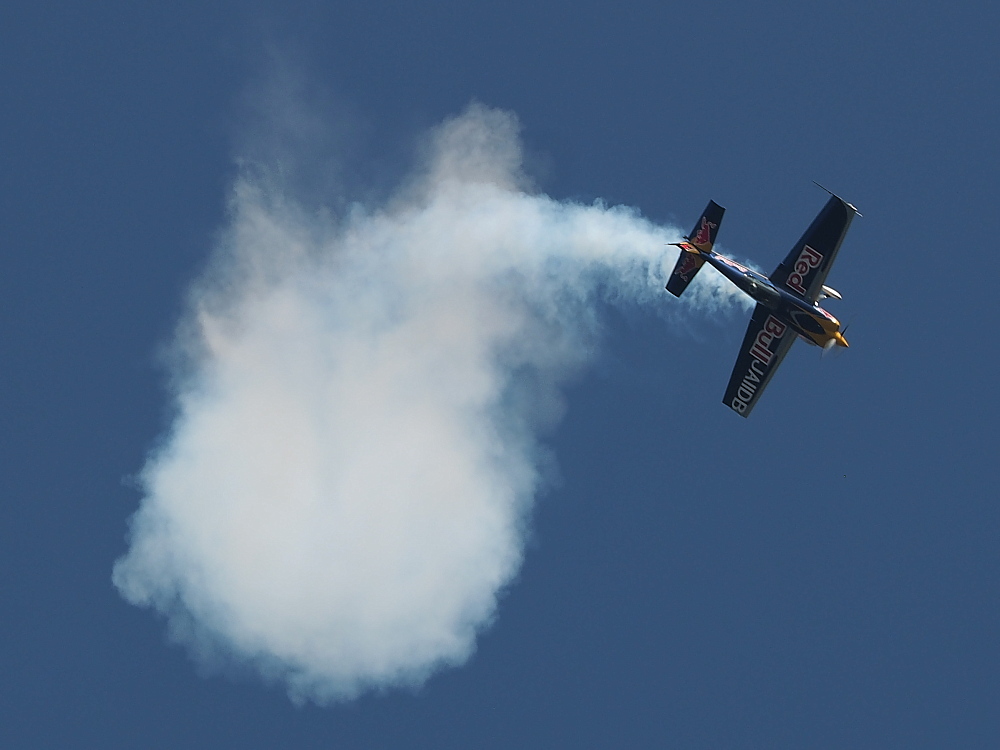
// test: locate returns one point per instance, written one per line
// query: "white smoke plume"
(344, 490)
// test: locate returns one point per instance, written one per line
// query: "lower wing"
(766, 343)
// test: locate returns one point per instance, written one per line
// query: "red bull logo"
(761, 349)
(808, 259)
(688, 262)
(704, 234)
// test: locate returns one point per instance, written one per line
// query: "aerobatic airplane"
(787, 302)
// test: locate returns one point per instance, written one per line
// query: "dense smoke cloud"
(343, 492)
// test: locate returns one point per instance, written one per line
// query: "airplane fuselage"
(811, 322)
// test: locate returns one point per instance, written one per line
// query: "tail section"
(701, 239)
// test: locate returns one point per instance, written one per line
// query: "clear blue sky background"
(824, 574)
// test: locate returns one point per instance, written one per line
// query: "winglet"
(854, 209)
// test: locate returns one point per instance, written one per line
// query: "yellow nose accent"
(839, 338)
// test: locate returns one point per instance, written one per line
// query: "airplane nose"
(839, 338)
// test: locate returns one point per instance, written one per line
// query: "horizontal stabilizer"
(687, 266)
(701, 239)
(704, 232)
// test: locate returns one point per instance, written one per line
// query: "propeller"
(849, 324)
(832, 343)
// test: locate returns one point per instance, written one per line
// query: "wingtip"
(849, 205)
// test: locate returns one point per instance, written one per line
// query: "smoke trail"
(342, 494)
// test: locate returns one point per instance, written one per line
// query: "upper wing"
(765, 345)
(806, 267)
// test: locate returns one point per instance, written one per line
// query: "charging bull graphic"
(702, 239)
(688, 263)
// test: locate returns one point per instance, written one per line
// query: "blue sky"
(823, 574)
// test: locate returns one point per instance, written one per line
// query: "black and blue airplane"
(787, 302)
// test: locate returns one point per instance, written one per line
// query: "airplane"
(787, 301)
